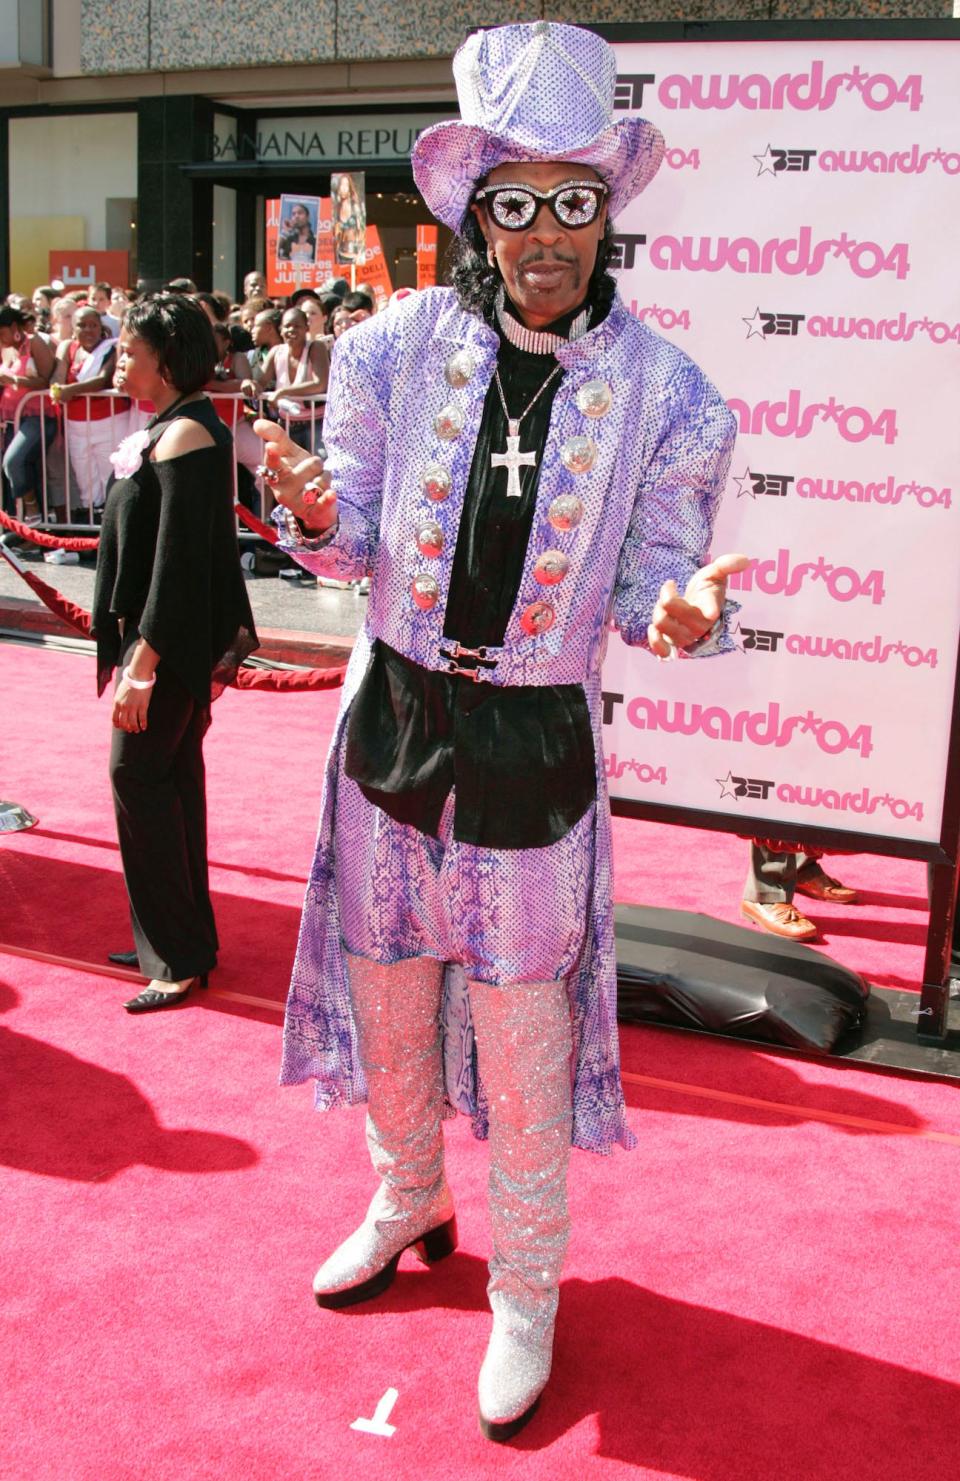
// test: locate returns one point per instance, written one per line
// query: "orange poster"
(284, 278)
(77, 267)
(426, 256)
(374, 271)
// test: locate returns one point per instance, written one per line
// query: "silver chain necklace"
(513, 459)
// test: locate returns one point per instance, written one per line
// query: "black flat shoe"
(123, 958)
(154, 999)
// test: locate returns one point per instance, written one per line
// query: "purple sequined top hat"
(533, 92)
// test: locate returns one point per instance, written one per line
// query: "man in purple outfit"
(517, 462)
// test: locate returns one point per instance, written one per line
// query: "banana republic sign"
(362, 137)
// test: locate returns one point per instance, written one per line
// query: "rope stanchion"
(257, 525)
(75, 616)
(48, 542)
(280, 681)
(289, 681)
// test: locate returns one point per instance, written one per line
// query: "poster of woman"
(297, 237)
(349, 218)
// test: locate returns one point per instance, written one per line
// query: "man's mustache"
(554, 259)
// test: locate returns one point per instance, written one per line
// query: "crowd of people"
(273, 360)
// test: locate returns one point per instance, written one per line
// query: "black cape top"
(168, 562)
(520, 757)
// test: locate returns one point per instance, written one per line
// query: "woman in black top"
(171, 611)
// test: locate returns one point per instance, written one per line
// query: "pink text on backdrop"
(761, 727)
(792, 256)
(780, 577)
(864, 801)
(897, 162)
(756, 92)
(791, 418)
(887, 492)
(762, 640)
(846, 326)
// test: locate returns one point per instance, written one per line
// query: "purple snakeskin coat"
(649, 477)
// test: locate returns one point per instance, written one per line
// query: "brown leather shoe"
(822, 886)
(780, 917)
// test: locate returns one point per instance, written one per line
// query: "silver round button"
(429, 538)
(436, 482)
(537, 618)
(448, 422)
(595, 398)
(425, 591)
(566, 512)
(579, 454)
(459, 368)
(550, 568)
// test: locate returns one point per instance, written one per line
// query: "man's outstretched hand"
(679, 620)
(295, 469)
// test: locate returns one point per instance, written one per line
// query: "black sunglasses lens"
(512, 209)
(577, 205)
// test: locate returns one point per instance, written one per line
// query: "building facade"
(167, 131)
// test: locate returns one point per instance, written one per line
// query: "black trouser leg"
(158, 790)
(771, 877)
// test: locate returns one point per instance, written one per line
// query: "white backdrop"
(801, 244)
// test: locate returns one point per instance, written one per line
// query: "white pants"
(90, 445)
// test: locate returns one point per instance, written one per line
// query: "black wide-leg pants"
(160, 802)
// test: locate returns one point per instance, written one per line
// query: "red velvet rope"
(257, 525)
(282, 681)
(48, 542)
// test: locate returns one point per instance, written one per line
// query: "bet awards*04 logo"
(846, 650)
(813, 90)
(794, 794)
(913, 161)
(888, 492)
(765, 324)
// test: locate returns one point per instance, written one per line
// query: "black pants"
(773, 877)
(160, 801)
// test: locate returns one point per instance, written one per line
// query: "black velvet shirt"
(168, 563)
(520, 757)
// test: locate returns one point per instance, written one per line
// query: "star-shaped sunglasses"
(575, 203)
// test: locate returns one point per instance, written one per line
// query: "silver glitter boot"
(397, 1014)
(524, 1046)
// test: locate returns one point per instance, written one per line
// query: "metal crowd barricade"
(56, 496)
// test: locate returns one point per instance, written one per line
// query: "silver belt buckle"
(475, 674)
(460, 652)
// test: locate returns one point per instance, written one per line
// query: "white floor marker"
(378, 1424)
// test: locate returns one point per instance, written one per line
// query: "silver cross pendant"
(513, 460)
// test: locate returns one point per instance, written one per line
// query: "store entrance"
(404, 255)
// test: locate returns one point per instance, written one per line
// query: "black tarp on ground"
(686, 970)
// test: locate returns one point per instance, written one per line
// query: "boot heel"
(437, 1243)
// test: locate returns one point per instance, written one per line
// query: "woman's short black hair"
(215, 304)
(179, 334)
(10, 316)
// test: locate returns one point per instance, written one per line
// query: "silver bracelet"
(138, 683)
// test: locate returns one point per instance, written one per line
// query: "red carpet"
(761, 1292)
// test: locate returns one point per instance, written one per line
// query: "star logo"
(725, 783)
(754, 325)
(765, 161)
(745, 485)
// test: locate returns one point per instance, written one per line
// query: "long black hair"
(477, 282)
